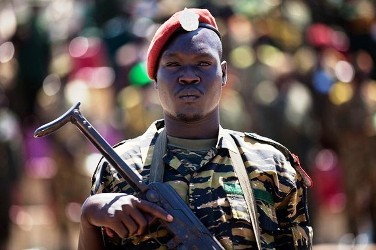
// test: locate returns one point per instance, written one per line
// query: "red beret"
(168, 28)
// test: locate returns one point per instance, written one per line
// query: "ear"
(155, 84)
(224, 73)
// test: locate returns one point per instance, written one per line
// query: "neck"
(206, 128)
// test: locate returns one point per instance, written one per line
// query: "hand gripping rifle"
(188, 230)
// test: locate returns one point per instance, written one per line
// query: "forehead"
(201, 40)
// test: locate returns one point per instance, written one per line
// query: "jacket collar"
(149, 137)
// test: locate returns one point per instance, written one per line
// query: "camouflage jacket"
(211, 189)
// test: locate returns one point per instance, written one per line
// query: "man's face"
(190, 76)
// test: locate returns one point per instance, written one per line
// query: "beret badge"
(188, 20)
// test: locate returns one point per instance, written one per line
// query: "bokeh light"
(344, 71)
(8, 22)
(340, 93)
(242, 57)
(51, 85)
(266, 93)
(138, 75)
(6, 52)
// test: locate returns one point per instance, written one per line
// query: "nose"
(189, 76)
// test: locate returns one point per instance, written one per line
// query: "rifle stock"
(188, 230)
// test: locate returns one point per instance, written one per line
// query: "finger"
(120, 229)
(130, 223)
(150, 219)
(154, 210)
(140, 220)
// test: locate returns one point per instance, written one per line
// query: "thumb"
(110, 233)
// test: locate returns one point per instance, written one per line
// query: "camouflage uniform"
(207, 182)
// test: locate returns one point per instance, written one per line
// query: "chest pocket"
(265, 207)
(241, 226)
(236, 201)
(266, 211)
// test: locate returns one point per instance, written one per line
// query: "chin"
(189, 118)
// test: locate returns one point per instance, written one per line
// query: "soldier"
(185, 62)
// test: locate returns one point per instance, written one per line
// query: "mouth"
(188, 97)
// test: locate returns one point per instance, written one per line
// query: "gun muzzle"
(54, 125)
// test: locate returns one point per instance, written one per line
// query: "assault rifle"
(187, 229)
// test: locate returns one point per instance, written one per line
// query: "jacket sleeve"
(294, 231)
(280, 188)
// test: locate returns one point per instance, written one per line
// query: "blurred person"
(10, 166)
(329, 197)
(356, 155)
(186, 65)
(33, 54)
(255, 76)
(372, 199)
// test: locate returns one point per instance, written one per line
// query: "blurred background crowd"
(300, 72)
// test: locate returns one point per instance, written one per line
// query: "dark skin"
(189, 82)
(190, 78)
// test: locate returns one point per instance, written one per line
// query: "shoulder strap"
(157, 164)
(157, 171)
(246, 187)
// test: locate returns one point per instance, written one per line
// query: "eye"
(204, 63)
(172, 64)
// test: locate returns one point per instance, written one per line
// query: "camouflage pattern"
(209, 185)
